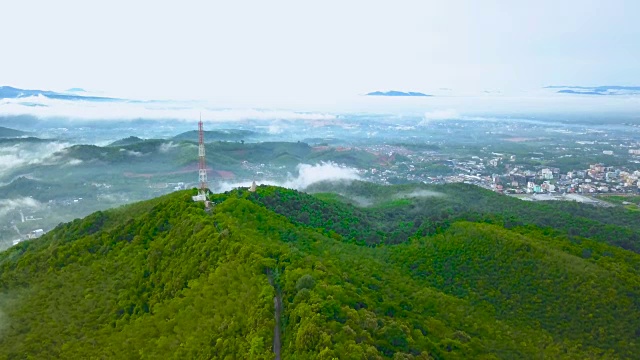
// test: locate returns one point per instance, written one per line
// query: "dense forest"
(363, 272)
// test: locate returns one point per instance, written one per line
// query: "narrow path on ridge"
(277, 302)
(276, 332)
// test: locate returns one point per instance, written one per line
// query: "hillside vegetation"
(414, 275)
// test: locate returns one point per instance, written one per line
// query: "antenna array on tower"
(202, 166)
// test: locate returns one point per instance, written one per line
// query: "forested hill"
(11, 133)
(426, 207)
(414, 275)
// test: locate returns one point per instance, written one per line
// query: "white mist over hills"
(14, 156)
(9, 205)
(44, 107)
(307, 175)
(433, 108)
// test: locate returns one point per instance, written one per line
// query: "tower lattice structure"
(202, 167)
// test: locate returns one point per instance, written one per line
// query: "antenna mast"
(202, 166)
(202, 169)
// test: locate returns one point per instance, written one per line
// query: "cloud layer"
(326, 171)
(166, 147)
(439, 115)
(307, 175)
(8, 205)
(43, 107)
(25, 154)
(419, 194)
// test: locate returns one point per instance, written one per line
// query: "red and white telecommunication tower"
(202, 166)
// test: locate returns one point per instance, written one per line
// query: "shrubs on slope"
(165, 278)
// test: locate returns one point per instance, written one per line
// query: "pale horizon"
(286, 53)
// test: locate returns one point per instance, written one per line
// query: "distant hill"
(580, 92)
(596, 90)
(127, 141)
(459, 201)
(131, 152)
(396, 93)
(218, 135)
(44, 191)
(166, 279)
(11, 133)
(19, 140)
(8, 92)
(157, 155)
(21, 187)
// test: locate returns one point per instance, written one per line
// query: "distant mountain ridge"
(127, 141)
(11, 133)
(396, 93)
(218, 135)
(8, 92)
(611, 90)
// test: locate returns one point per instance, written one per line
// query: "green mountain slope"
(428, 207)
(167, 279)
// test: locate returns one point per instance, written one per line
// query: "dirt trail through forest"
(277, 302)
(276, 332)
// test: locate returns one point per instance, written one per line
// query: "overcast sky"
(303, 49)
